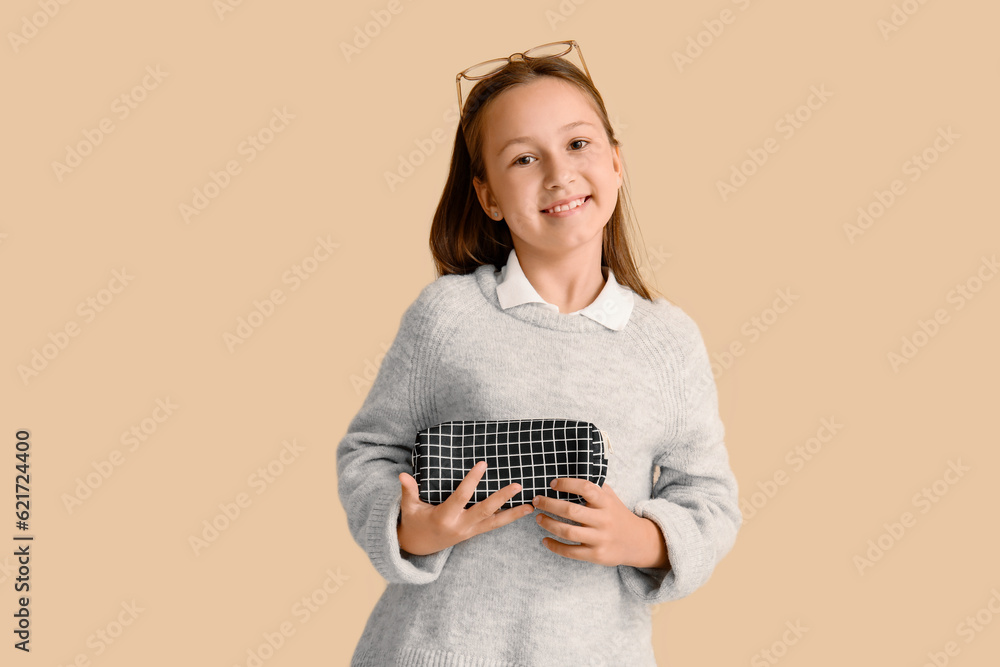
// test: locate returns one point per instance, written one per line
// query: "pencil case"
(531, 452)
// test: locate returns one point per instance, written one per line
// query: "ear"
(485, 196)
(618, 164)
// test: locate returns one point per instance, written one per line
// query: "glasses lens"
(549, 50)
(491, 67)
(484, 69)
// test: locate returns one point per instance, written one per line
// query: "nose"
(559, 172)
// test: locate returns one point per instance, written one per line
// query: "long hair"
(463, 237)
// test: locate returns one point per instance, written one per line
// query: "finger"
(573, 551)
(581, 487)
(464, 491)
(568, 531)
(488, 507)
(565, 509)
(490, 518)
(410, 491)
(607, 490)
(511, 514)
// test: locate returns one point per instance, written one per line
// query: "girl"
(538, 311)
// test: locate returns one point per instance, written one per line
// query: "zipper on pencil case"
(607, 442)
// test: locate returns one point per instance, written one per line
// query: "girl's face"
(544, 144)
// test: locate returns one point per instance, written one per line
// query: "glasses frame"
(570, 44)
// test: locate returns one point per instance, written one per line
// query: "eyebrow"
(523, 140)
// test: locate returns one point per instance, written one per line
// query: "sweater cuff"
(383, 545)
(691, 560)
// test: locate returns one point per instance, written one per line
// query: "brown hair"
(463, 237)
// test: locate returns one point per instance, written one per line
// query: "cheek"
(605, 177)
(521, 191)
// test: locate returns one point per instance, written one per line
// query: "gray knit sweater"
(501, 598)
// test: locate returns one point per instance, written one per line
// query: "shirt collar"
(612, 307)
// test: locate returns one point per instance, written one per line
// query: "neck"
(570, 280)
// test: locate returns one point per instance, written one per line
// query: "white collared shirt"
(611, 308)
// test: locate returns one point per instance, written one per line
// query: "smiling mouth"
(577, 203)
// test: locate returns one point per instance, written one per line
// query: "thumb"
(409, 486)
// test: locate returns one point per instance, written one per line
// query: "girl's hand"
(609, 533)
(425, 528)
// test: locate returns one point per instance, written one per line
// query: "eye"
(519, 161)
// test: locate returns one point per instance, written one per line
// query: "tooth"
(565, 207)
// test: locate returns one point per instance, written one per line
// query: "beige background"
(300, 375)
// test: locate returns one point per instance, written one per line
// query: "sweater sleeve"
(376, 448)
(694, 501)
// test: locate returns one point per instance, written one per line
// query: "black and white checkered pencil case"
(531, 452)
